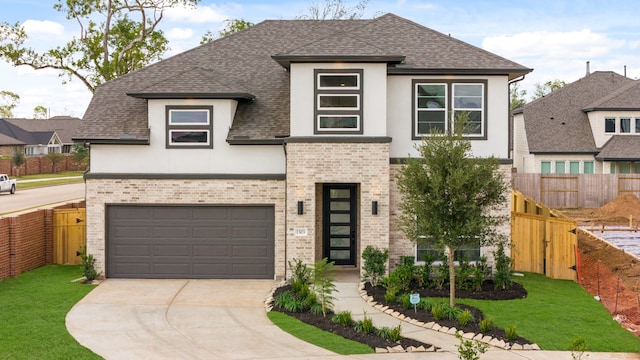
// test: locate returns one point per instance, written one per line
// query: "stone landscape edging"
(499, 343)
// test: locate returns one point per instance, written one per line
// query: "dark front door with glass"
(339, 223)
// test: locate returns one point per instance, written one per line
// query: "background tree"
(546, 88)
(450, 198)
(55, 158)
(123, 39)
(39, 112)
(80, 154)
(8, 101)
(18, 159)
(334, 9)
(517, 96)
(231, 26)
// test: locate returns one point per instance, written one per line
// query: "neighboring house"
(591, 126)
(37, 136)
(279, 142)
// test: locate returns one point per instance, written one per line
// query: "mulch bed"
(325, 323)
(517, 291)
(488, 292)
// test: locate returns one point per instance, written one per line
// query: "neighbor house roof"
(247, 66)
(65, 127)
(558, 122)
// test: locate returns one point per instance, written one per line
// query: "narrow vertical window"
(431, 109)
(468, 101)
(625, 125)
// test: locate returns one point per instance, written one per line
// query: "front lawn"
(33, 310)
(556, 312)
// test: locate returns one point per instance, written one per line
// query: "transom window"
(438, 103)
(338, 101)
(189, 126)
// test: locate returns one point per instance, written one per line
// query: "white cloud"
(45, 27)
(562, 45)
(201, 14)
(179, 34)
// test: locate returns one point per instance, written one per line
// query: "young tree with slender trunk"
(450, 198)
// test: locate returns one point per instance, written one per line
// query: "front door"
(339, 223)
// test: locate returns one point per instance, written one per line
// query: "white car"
(6, 184)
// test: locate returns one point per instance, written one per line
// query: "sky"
(554, 37)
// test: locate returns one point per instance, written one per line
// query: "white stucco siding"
(399, 115)
(157, 159)
(374, 89)
(596, 120)
(522, 159)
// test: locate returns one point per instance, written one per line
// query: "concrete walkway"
(225, 319)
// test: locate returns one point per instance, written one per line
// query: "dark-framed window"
(637, 125)
(338, 101)
(610, 125)
(625, 125)
(471, 252)
(189, 126)
(437, 103)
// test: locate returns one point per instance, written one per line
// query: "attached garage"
(190, 241)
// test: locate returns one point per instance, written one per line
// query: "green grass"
(556, 312)
(318, 337)
(49, 175)
(33, 308)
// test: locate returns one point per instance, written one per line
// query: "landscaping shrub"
(88, 266)
(465, 318)
(343, 318)
(486, 325)
(502, 276)
(395, 333)
(469, 349)
(365, 325)
(323, 284)
(510, 332)
(374, 264)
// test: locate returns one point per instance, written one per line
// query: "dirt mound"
(620, 207)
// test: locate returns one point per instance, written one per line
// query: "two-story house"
(591, 126)
(279, 142)
(38, 136)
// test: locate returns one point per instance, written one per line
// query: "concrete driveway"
(183, 319)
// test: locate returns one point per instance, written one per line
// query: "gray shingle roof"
(242, 63)
(557, 123)
(23, 136)
(625, 98)
(65, 126)
(621, 148)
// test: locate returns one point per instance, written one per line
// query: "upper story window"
(610, 125)
(625, 125)
(338, 101)
(189, 126)
(437, 104)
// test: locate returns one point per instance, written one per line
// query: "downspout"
(510, 117)
(286, 213)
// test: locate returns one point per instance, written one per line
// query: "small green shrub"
(502, 276)
(465, 318)
(300, 275)
(510, 333)
(323, 284)
(390, 295)
(426, 304)
(469, 349)
(365, 325)
(374, 264)
(486, 325)
(578, 347)
(405, 301)
(438, 311)
(426, 270)
(343, 318)
(395, 334)
(451, 312)
(288, 301)
(464, 273)
(442, 273)
(480, 271)
(384, 332)
(403, 275)
(88, 266)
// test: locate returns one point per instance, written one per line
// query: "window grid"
(338, 101)
(189, 127)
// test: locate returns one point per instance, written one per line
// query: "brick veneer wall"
(26, 241)
(311, 164)
(38, 165)
(400, 245)
(174, 191)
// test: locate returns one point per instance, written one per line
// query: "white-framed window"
(545, 167)
(560, 167)
(338, 101)
(637, 125)
(625, 125)
(189, 126)
(437, 104)
(574, 167)
(589, 167)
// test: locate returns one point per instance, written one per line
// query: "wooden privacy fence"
(69, 235)
(576, 190)
(542, 241)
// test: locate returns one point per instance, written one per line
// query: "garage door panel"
(157, 241)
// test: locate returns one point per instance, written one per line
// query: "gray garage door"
(233, 242)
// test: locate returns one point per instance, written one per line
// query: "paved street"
(39, 197)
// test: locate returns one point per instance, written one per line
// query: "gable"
(243, 63)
